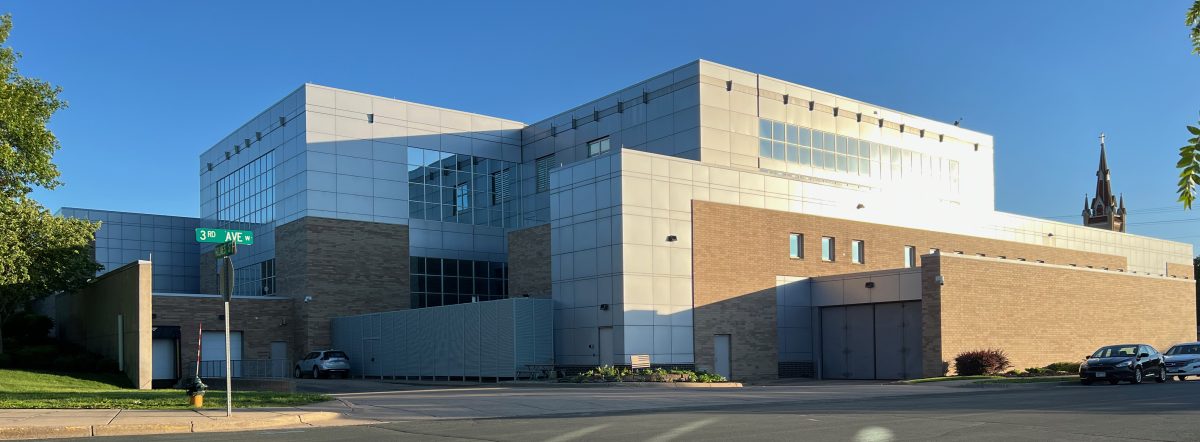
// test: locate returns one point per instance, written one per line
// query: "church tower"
(1104, 211)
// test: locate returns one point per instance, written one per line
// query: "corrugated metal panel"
(471, 330)
(488, 339)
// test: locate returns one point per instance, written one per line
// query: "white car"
(1183, 360)
(324, 362)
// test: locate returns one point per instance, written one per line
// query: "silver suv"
(321, 363)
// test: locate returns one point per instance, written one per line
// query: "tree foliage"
(1189, 155)
(39, 253)
(1189, 167)
(1193, 21)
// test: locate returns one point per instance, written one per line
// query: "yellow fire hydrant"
(198, 401)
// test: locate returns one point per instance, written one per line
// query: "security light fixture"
(835, 111)
(604, 307)
(672, 238)
(939, 280)
(370, 118)
(861, 206)
(785, 98)
(258, 136)
(728, 85)
(282, 121)
(870, 284)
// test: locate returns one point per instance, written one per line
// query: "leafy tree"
(39, 253)
(1189, 155)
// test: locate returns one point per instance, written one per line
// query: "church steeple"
(1104, 212)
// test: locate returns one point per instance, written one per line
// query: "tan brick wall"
(1039, 314)
(1182, 271)
(737, 252)
(261, 320)
(347, 267)
(529, 262)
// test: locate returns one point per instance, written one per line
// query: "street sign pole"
(227, 284)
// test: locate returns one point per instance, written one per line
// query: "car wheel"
(297, 373)
(1085, 381)
(1162, 376)
(316, 373)
(1137, 376)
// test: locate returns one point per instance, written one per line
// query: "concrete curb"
(677, 384)
(194, 426)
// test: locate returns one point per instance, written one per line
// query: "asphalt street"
(1068, 412)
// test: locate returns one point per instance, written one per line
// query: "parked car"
(1183, 360)
(1126, 362)
(321, 363)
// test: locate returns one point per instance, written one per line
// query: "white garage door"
(212, 353)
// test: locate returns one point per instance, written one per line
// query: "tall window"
(462, 198)
(598, 147)
(856, 251)
(543, 166)
(796, 245)
(910, 257)
(827, 252)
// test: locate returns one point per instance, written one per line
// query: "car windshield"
(1190, 349)
(335, 354)
(1116, 351)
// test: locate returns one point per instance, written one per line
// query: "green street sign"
(217, 236)
(226, 249)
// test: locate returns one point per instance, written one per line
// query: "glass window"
(778, 151)
(764, 148)
(856, 251)
(462, 200)
(764, 128)
(793, 134)
(827, 252)
(910, 257)
(778, 134)
(796, 245)
(598, 147)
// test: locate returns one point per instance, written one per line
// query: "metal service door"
(889, 341)
(721, 356)
(163, 358)
(605, 350)
(848, 342)
(279, 360)
(371, 358)
(912, 339)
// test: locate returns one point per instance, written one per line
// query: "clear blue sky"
(152, 84)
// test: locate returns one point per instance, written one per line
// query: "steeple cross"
(1101, 138)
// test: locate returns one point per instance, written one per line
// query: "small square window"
(827, 249)
(856, 251)
(910, 257)
(598, 147)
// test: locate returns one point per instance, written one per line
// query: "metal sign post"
(227, 293)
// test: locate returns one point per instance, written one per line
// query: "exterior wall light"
(939, 280)
(870, 284)
(672, 238)
(604, 307)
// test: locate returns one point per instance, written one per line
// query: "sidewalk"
(53, 423)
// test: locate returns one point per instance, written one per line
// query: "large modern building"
(708, 217)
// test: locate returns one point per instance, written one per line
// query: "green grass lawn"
(30, 389)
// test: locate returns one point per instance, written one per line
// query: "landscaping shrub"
(981, 362)
(28, 328)
(621, 374)
(1068, 367)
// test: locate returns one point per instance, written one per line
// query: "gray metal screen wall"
(481, 339)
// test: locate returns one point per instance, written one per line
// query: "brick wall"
(261, 321)
(1183, 271)
(1040, 314)
(347, 267)
(737, 252)
(529, 262)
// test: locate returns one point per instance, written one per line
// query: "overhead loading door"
(871, 341)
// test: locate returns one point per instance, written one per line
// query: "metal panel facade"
(483, 339)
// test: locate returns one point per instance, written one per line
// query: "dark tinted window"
(335, 354)
(1187, 349)
(1116, 351)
